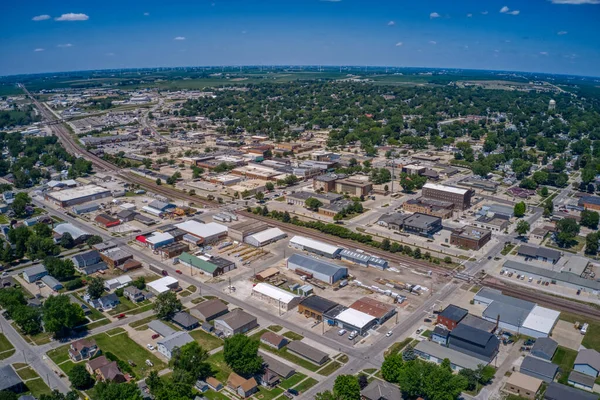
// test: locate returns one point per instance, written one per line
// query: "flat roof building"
(243, 229)
(523, 385)
(275, 296)
(461, 198)
(83, 194)
(265, 237)
(315, 246)
(431, 351)
(470, 237)
(355, 320)
(206, 233)
(422, 224)
(377, 309)
(163, 285)
(321, 270)
(315, 307)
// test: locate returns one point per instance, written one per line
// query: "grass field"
(5, 344)
(27, 373)
(564, 358)
(125, 348)
(305, 385)
(275, 328)
(343, 358)
(143, 321)
(115, 331)
(220, 368)
(7, 353)
(212, 395)
(329, 368)
(38, 387)
(206, 340)
(59, 355)
(292, 380)
(266, 394)
(397, 347)
(293, 335)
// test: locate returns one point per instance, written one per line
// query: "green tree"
(390, 369)
(42, 230)
(520, 209)
(56, 395)
(259, 196)
(19, 237)
(28, 319)
(522, 227)
(548, 208)
(60, 269)
(544, 192)
(8, 395)
(67, 241)
(385, 244)
(591, 243)
(346, 387)
(189, 363)
(567, 230)
(241, 354)
(166, 305)
(291, 180)
(313, 204)
(80, 378)
(20, 203)
(590, 219)
(94, 240)
(158, 181)
(269, 186)
(95, 287)
(139, 282)
(39, 248)
(121, 391)
(60, 315)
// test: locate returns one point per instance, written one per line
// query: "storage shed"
(321, 270)
(265, 237)
(315, 246)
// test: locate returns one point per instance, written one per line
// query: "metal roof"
(539, 366)
(202, 230)
(51, 281)
(589, 357)
(511, 315)
(318, 303)
(441, 352)
(541, 319)
(565, 276)
(582, 379)
(355, 255)
(316, 265)
(268, 234)
(315, 245)
(496, 295)
(454, 313)
(159, 238)
(474, 340)
(274, 292)
(533, 251)
(556, 391)
(74, 231)
(196, 262)
(355, 318)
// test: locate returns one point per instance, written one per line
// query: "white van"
(584, 329)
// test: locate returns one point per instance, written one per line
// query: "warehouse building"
(163, 285)
(590, 203)
(308, 352)
(353, 186)
(115, 257)
(377, 309)
(355, 320)
(173, 249)
(539, 253)
(366, 260)
(315, 246)
(461, 198)
(560, 278)
(265, 237)
(436, 208)
(474, 342)
(315, 307)
(78, 235)
(241, 230)
(275, 296)
(106, 220)
(206, 233)
(539, 369)
(79, 195)
(470, 237)
(492, 222)
(422, 224)
(321, 270)
(156, 240)
(237, 321)
(85, 208)
(214, 266)
(433, 352)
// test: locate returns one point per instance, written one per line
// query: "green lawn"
(7, 354)
(4, 219)
(221, 370)
(185, 293)
(293, 336)
(38, 387)
(197, 300)
(27, 373)
(564, 358)
(126, 305)
(125, 348)
(115, 331)
(212, 395)
(329, 368)
(292, 380)
(59, 355)
(427, 333)
(67, 366)
(206, 340)
(397, 347)
(275, 328)
(141, 309)
(266, 394)
(305, 385)
(369, 371)
(5, 344)
(97, 324)
(292, 357)
(343, 358)
(191, 288)
(142, 321)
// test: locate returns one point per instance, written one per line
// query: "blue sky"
(525, 35)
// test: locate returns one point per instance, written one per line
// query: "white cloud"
(72, 17)
(399, 44)
(38, 49)
(485, 12)
(146, 14)
(65, 45)
(432, 42)
(562, 32)
(504, 9)
(179, 38)
(544, 53)
(514, 12)
(575, 2)
(391, 23)
(42, 17)
(469, 15)
(434, 15)
(110, 54)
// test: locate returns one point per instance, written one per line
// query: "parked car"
(388, 334)
(342, 332)
(149, 363)
(178, 271)
(150, 347)
(120, 316)
(155, 336)
(293, 392)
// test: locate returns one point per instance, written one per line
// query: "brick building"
(461, 198)
(470, 237)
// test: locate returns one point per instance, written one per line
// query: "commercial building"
(237, 321)
(422, 224)
(273, 295)
(320, 270)
(315, 246)
(589, 203)
(461, 198)
(315, 307)
(539, 369)
(173, 249)
(214, 266)
(156, 240)
(364, 259)
(539, 253)
(431, 351)
(353, 186)
(209, 310)
(206, 233)
(85, 208)
(79, 195)
(474, 342)
(167, 345)
(299, 198)
(560, 278)
(106, 220)
(265, 237)
(355, 320)
(436, 208)
(377, 309)
(470, 237)
(308, 352)
(523, 385)
(78, 235)
(492, 222)
(243, 229)
(115, 257)
(326, 183)
(163, 285)
(451, 316)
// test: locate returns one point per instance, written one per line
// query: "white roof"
(541, 319)
(127, 206)
(70, 228)
(162, 285)
(354, 317)
(314, 244)
(119, 280)
(76, 193)
(445, 188)
(159, 237)
(268, 234)
(274, 292)
(152, 211)
(202, 230)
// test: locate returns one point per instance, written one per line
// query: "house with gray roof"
(581, 381)
(166, 345)
(278, 367)
(237, 321)
(308, 352)
(10, 381)
(539, 369)
(35, 273)
(88, 258)
(185, 320)
(161, 328)
(544, 348)
(380, 390)
(556, 391)
(587, 362)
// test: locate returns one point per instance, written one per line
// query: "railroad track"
(546, 300)
(396, 258)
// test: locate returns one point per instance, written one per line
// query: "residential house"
(209, 310)
(10, 381)
(107, 302)
(185, 320)
(214, 384)
(241, 386)
(380, 390)
(82, 349)
(134, 294)
(92, 365)
(35, 273)
(273, 340)
(587, 362)
(237, 321)
(166, 345)
(539, 369)
(110, 373)
(283, 370)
